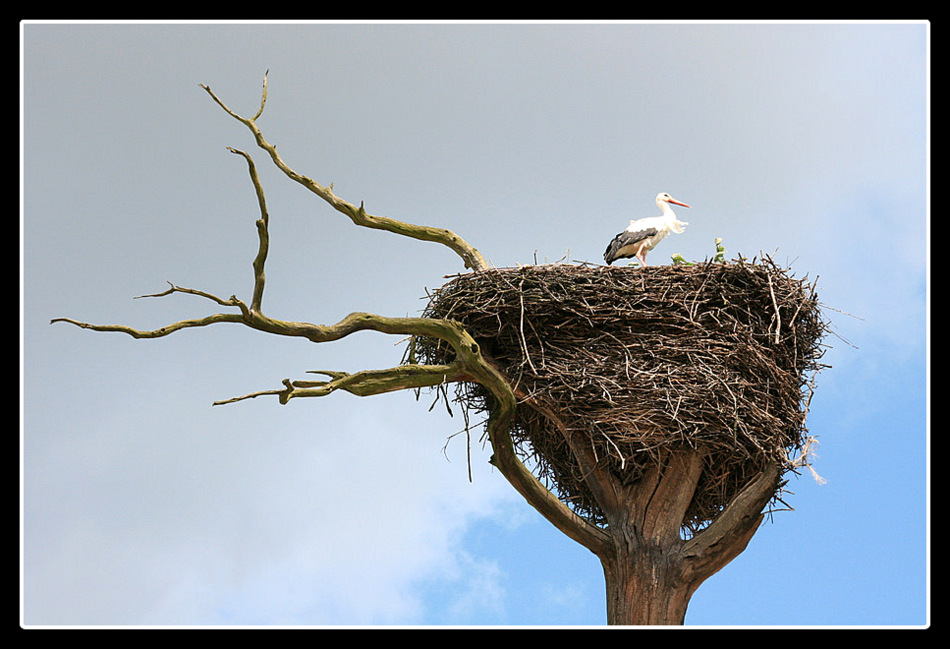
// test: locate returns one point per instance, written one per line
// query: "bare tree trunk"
(645, 587)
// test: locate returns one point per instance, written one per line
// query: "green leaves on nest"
(720, 257)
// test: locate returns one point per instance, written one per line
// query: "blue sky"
(144, 505)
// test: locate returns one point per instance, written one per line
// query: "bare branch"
(262, 225)
(470, 256)
(252, 395)
(176, 326)
(370, 382)
(156, 333)
(727, 536)
(231, 301)
(263, 96)
(365, 383)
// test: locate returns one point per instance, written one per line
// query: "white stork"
(642, 235)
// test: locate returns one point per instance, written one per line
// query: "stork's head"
(663, 197)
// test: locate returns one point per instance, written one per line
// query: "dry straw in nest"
(714, 356)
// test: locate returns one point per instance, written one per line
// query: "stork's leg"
(641, 254)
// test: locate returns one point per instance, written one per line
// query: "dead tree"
(659, 408)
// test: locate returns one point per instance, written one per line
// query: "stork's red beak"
(676, 202)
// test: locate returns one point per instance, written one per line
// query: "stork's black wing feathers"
(625, 244)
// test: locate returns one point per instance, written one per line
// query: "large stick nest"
(714, 356)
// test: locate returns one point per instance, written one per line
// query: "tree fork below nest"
(650, 571)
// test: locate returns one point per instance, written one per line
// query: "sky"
(142, 504)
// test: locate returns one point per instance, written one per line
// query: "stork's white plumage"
(642, 235)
